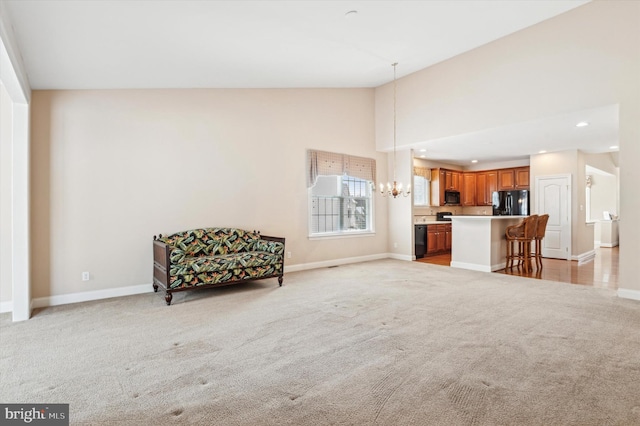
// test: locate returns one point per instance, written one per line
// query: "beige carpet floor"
(385, 342)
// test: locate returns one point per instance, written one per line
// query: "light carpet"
(385, 342)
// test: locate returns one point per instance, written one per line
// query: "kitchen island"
(479, 243)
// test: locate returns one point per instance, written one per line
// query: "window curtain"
(422, 171)
(322, 163)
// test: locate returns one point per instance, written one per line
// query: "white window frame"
(342, 233)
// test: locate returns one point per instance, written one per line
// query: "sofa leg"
(155, 287)
(280, 280)
(168, 298)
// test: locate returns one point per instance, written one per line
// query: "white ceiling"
(248, 44)
(112, 44)
(520, 140)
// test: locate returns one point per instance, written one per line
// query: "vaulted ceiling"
(109, 44)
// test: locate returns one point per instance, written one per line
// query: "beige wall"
(112, 168)
(584, 237)
(609, 163)
(568, 162)
(585, 58)
(5, 196)
(603, 195)
(401, 245)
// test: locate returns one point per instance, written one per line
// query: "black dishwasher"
(420, 240)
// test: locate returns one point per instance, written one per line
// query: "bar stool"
(523, 234)
(541, 228)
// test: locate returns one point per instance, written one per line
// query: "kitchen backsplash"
(432, 210)
(428, 213)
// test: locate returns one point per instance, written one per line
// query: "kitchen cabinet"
(437, 187)
(452, 180)
(468, 193)
(506, 180)
(521, 177)
(438, 238)
(486, 184)
(444, 180)
(513, 178)
(476, 188)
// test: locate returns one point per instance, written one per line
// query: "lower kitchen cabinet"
(438, 239)
(447, 237)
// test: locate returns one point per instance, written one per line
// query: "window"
(340, 205)
(421, 186)
(340, 193)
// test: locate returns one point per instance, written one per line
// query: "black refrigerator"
(511, 203)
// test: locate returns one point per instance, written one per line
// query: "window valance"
(422, 171)
(322, 163)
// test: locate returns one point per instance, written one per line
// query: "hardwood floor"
(601, 272)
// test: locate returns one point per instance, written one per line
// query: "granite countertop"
(429, 222)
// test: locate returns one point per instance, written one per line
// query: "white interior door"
(553, 197)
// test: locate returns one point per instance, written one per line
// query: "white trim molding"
(470, 266)
(609, 245)
(334, 262)
(626, 293)
(585, 257)
(86, 296)
(397, 256)
(6, 307)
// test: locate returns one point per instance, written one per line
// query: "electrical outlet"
(288, 255)
(85, 276)
(395, 245)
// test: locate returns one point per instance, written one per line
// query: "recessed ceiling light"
(474, 161)
(582, 124)
(423, 150)
(614, 147)
(423, 156)
(542, 152)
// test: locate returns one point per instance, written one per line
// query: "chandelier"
(396, 189)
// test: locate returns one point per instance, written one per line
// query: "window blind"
(322, 163)
(422, 171)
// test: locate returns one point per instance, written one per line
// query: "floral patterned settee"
(212, 257)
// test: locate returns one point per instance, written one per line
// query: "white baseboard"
(585, 257)
(6, 307)
(85, 296)
(334, 262)
(401, 256)
(42, 302)
(613, 244)
(626, 293)
(471, 266)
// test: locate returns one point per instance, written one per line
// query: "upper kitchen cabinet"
(452, 180)
(486, 184)
(437, 187)
(522, 177)
(468, 193)
(506, 180)
(444, 180)
(515, 178)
